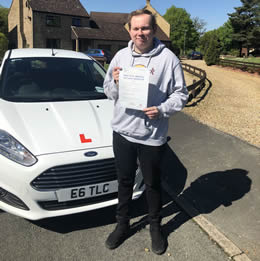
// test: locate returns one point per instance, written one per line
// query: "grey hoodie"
(167, 91)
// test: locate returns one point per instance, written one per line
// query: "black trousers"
(126, 154)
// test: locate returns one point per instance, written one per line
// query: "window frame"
(76, 22)
(53, 20)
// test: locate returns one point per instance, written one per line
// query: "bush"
(3, 44)
(212, 53)
(234, 52)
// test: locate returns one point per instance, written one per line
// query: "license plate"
(89, 191)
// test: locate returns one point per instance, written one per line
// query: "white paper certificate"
(133, 87)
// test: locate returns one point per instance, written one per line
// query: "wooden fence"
(195, 88)
(244, 66)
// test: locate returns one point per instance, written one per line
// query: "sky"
(214, 13)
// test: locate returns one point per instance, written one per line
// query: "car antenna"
(52, 52)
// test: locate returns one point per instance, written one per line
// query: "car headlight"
(14, 150)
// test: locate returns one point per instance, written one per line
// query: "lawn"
(248, 60)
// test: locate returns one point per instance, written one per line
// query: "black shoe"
(159, 243)
(118, 236)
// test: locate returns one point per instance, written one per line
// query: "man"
(142, 134)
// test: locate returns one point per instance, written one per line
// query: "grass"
(248, 60)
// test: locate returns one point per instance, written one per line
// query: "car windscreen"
(51, 79)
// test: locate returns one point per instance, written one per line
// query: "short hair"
(141, 12)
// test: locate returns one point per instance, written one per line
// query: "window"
(76, 21)
(93, 24)
(53, 43)
(53, 20)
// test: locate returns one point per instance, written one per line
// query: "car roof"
(44, 52)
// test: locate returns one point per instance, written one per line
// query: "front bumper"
(43, 203)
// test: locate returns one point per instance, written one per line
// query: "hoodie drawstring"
(146, 66)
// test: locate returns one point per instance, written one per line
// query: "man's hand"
(115, 73)
(151, 112)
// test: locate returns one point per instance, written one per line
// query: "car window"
(91, 51)
(51, 79)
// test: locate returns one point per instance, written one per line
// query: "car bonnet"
(55, 127)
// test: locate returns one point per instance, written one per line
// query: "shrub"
(212, 53)
(234, 52)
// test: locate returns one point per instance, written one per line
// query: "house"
(45, 23)
(66, 24)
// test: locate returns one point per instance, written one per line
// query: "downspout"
(21, 23)
(77, 38)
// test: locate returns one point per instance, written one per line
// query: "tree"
(3, 44)
(246, 24)
(199, 25)
(4, 20)
(183, 34)
(205, 40)
(224, 34)
(212, 54)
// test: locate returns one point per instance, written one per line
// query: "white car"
(56, 154)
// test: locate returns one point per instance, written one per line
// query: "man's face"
(142, 33)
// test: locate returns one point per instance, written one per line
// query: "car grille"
(74, 175)
(55, 205)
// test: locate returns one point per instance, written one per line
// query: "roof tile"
(111, 27)
(67, 7)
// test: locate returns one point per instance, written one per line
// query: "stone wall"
(20, 25)
(42, 32)
(13, 24)
(27, 26)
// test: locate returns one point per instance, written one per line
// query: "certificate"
(133, 87)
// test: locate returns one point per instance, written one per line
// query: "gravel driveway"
(230, 101)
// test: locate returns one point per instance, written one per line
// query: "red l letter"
(83, 139)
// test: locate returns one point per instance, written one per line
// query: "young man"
(142, 134)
